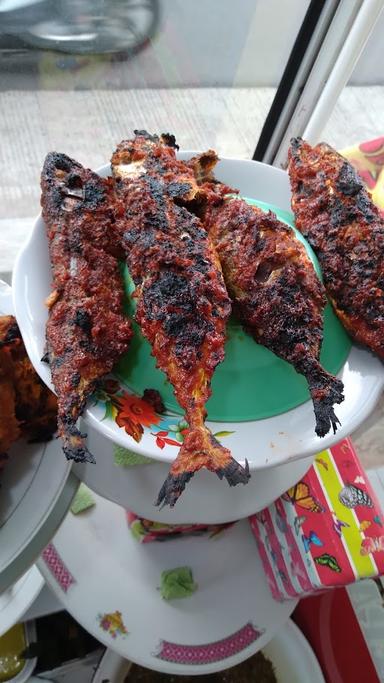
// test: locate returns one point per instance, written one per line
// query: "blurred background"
(79, 75)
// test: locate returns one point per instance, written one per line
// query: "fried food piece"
(182, 302)
(27, 407)
(333, 210)
(9, 425)
(276, 294)
(86, 331)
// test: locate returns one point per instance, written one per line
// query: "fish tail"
(200, 450)
(73, 442)
(326, 390)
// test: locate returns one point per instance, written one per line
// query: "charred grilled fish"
(86, 331)
(27, 407)
(182, 302)
(276, 294)
(334, 212)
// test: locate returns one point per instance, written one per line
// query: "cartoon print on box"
(301, 495)
(323, 532)
(351, 496)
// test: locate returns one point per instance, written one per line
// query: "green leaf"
(109, 412)
(83, 500)
(224, 433)
(124, 457)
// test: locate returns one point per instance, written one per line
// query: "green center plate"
(252, 383)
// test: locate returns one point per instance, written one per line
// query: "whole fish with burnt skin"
(86, 331)
(276, 294)
(333, 210)
(182, 302)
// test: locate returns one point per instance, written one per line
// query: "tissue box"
(324, 532)
(146, 531)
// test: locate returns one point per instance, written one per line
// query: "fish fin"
(200, 450)
(74, 444)
(326, 390)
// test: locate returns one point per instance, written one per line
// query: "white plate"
(207, 500)
(265, 443)
(36, 492)
(292, 657)
(15, 601)
(35, 495)
(96, 568)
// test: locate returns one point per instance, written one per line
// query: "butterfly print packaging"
(323, 532)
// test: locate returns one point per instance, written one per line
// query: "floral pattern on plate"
(137, 416)
(210, 652)
(113, 624)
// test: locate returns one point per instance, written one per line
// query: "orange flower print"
(133, 414)
(136, 409)
(134, 429)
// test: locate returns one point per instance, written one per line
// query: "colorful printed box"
(326, 531)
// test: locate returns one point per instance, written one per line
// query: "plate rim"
(27, 588)
(293, 634)
(26, 554)
(42, 536)
(117, 645)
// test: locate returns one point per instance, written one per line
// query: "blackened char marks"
(348, 182)
(177, 190)
(83, 320)
(146, 135)
(347, 233)
(159, 218)
(277, 295)
(169, 287)
(86, 331)
(94, 195)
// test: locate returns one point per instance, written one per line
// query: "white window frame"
(335, 46)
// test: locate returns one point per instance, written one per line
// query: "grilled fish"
(27, 407)
(334, 212)
(9, 424)
(86, 331)
(182, 302)
(276, 294)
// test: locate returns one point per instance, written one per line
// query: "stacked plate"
(107, 580)
(36, 492)
(259, 406)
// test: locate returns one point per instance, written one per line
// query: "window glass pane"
(359, 112)
(206, 70)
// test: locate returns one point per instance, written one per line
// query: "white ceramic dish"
(265, 443)
(109, 582)
(16, 600)
(35, 494)
(292, 657)
(207, 500)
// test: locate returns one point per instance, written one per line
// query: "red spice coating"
(276, 294)
(183, 305)
(334, 212)
(86, 330)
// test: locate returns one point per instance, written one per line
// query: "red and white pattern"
(211, 652)
(57, 567)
